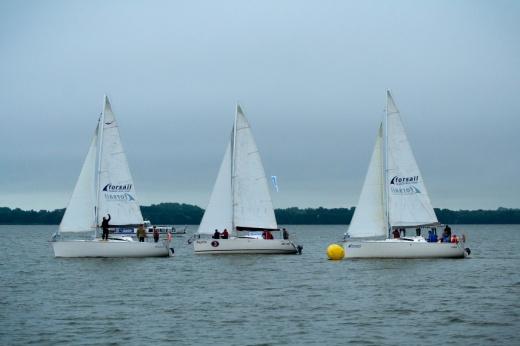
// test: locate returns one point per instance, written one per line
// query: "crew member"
(141, 233)
(225, 234)
(104, 226)
(285, 234)
(155, 234)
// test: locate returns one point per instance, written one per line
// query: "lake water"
(260, 300)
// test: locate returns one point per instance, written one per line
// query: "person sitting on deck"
(216, 235)
(454, 239)
(445, 238)
(396, 233)
(267, 234)
(225, 234)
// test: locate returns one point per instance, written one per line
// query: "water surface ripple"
(260, 300)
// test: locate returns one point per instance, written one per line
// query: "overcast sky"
(311, 76)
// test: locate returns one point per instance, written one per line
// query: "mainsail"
(408, 201)
(116, 187)
(105, 185)
(252, 205)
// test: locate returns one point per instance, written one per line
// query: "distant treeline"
(175, 213)
(163, 213)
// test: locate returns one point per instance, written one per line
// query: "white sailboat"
(394, 197)
(105, 186)
(241, 203)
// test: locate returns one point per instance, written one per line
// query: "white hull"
(393, 248)
(244, 246)
(101, 248)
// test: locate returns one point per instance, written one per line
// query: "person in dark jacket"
(155, 234)
(447, 229)
(104, 226)
(216, 235)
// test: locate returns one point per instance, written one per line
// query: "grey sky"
(311, 76)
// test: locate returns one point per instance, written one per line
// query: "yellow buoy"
(335, 252)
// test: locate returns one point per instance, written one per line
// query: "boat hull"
(403, 249)
(244, 246)
(100, 248)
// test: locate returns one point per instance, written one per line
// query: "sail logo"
(404, 185)
(407, 190)
(404, 180)
(120, 197)
(118, 192)
(117, 188)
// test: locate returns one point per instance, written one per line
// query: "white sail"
(116, 190)
(369, 217)
(219, 213)
(252, 205)
(79, 215)
(408, 201)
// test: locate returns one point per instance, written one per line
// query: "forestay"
(408, 201)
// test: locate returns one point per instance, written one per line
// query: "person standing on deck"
(447, 229)
(155, 234)
(141, 233)
(104, 226)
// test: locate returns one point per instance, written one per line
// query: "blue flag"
(274, 180)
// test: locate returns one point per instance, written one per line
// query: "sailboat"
(394, 199)
(240, 203)
(105, 186)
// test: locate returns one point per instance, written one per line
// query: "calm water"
(260, 300)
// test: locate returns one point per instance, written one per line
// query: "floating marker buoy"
(335, 252)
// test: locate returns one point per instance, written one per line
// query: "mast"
(234, 134)
(98, 170)
(385, 166)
